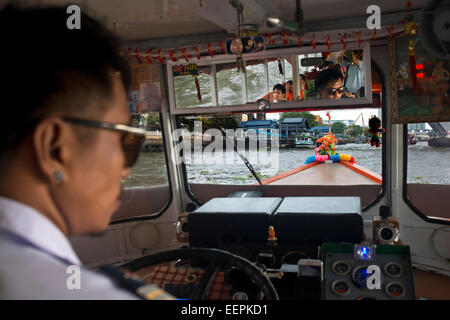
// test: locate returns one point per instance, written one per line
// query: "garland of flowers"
(327, 147)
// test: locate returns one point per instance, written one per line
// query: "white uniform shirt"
(35, 256)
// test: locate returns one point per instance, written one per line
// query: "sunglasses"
(332, 91)
(132, 138)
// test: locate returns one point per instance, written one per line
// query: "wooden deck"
(327, 174)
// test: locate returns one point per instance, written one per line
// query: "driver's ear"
(51, 145)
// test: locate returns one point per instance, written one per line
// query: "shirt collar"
(29, 224)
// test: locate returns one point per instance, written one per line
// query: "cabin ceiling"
(137, 20)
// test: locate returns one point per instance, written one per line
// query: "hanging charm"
(197, 86)
(136, 55)
(299, 42)
(148, 56)
(328, 42)
(313, 41)
(410, 28)
(358, 38)
(280, 66)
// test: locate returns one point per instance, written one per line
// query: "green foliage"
(355, 130)
(211, 122)
(338, 127)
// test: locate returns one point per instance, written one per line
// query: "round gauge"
(395, 290)
(360, 276)
(393, 270)
(387, 233)
(340, 287)
(341, 268)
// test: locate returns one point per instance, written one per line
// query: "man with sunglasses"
(65, 146)
(330, 84)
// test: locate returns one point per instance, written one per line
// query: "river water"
(425, 165)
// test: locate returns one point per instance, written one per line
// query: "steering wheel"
(217, 260)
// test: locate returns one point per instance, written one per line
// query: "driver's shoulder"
(32, 274)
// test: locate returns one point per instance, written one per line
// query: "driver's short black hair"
(47, 69)
(327, 75)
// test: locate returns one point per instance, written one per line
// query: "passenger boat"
(304, 142)
(311, 232)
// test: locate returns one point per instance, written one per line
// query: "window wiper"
(246, 162)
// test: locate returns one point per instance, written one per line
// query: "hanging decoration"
(358, 38)
(410, 29)
(285, 39)
(280, 66)
(172, 55)
(313, 41)
(328, 42)
(343, 36)
(197, 53)
(240, 64)
(185, 54)
(148, 55)
(211, 50)
(390, 30)
(222, 46)
(299, 41)
(136, 55)
(374, 36)
(270, 41)
(160, 56)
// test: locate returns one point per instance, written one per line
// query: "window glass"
(229, 84)
(428, 174)
(186, 94)
(256, 82)
(275, 76)
(286, 141)
(143, 173)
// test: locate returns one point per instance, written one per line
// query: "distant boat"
(304, 142)
(412, 138)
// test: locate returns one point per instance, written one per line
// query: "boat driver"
(62, 157)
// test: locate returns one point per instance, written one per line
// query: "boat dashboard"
(304, 248)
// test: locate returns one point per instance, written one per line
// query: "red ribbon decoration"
(299, 42)
(172, 55)
(222, 46)
(197, 52)
(344, 44)
(197, 86)
(210, 50)
(270, 41)
(374, 36)
(358, 38)
(160, 56)
(148, 55)
(390, 30)
(136, 55)
(328, 42)
(185, 55)
(313, 41)
(285, 39)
